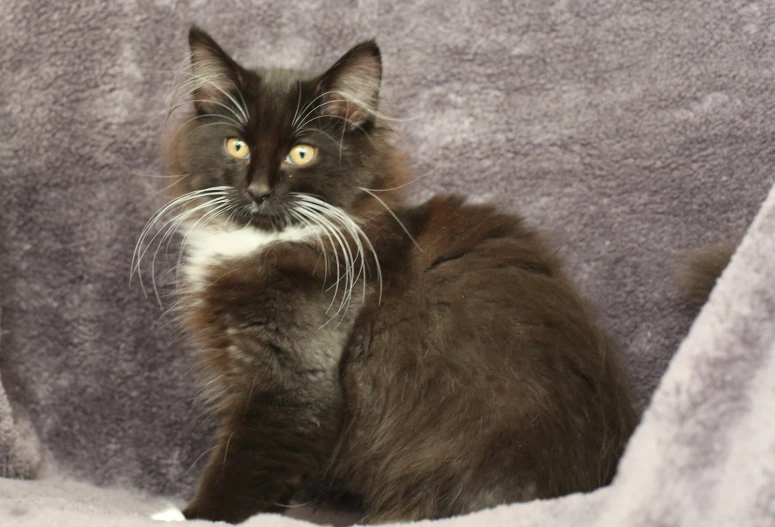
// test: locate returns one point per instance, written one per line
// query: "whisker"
(400, 223)
(320, 243)
(415, 180)
(330, 228)
(202, 126)
(342, 119)
(229, 119)
(296, 505)
(168, 111)
(304, 130)
(298, 102)
(220, 201)
(203, 454)
(304, 111)
(139, 253)
(308, 116)
(310, 225)
(218, 211)
(188, 82)
(368, 108)
(156, 175)
(355, 231)
(165, 188)
(348, 224)
(176, 223)
(242, 110)
(172, 204)
(226, 452)
(333, 234)
(349, 264)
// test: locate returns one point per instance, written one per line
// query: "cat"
(418, 361)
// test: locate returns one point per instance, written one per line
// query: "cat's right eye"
(237, 148)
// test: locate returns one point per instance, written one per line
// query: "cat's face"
(260, 142)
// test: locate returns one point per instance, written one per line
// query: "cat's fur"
(466, 373)
(700, 269)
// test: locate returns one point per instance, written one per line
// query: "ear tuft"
(214, 76)
(352, 84)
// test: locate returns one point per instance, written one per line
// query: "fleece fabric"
(627, 131)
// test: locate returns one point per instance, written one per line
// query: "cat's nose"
(259, 192)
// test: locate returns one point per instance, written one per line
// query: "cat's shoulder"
(453, 216)
(449, 226)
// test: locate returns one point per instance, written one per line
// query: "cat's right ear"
(215, 76)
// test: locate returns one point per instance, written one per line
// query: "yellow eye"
(301, 154)
(237, 148)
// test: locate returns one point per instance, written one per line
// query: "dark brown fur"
(700, 269)
(479, 378)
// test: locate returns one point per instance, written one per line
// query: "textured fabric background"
(703, 455)
(628, 131)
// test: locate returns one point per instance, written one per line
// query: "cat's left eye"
(301, 154)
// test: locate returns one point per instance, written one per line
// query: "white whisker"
(349, 265)
(228, 119)
(293, 216)
(400, 223)
(168, 111)
(320, 243)
(176, 223)
(141, 247)
(415, 180)
(202, 126)
(355, 228)
(298, 102)
(342, 119)
(157, 175)
(188, 81)
(321, 210)
(331, 230)
(165, 188)
(368, 107)
(176, 202)
(219, 76)
(347, 223)
(308, 116)
(304, 111)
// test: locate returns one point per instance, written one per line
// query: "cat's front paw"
(170, 514)
(199, 511)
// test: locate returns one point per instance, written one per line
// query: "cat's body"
(457, 369)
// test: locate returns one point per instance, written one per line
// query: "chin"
(266, 222)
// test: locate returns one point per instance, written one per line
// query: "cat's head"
(259, 146)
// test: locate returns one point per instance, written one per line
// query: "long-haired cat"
(425, 361)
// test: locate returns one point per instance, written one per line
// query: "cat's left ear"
(351, 86)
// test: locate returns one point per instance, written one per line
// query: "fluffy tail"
(700, 269)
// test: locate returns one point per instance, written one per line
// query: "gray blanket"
(628, 132)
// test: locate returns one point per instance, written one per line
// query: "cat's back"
(486, 279)
(484, 346)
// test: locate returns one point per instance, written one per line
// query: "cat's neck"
(213, 245)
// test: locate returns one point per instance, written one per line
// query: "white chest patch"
(213, 245)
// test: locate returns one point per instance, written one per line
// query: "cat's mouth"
(268, 215)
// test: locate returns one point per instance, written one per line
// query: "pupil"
(238, 146)
(302, 153)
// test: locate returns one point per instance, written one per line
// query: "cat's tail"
(699, 270)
